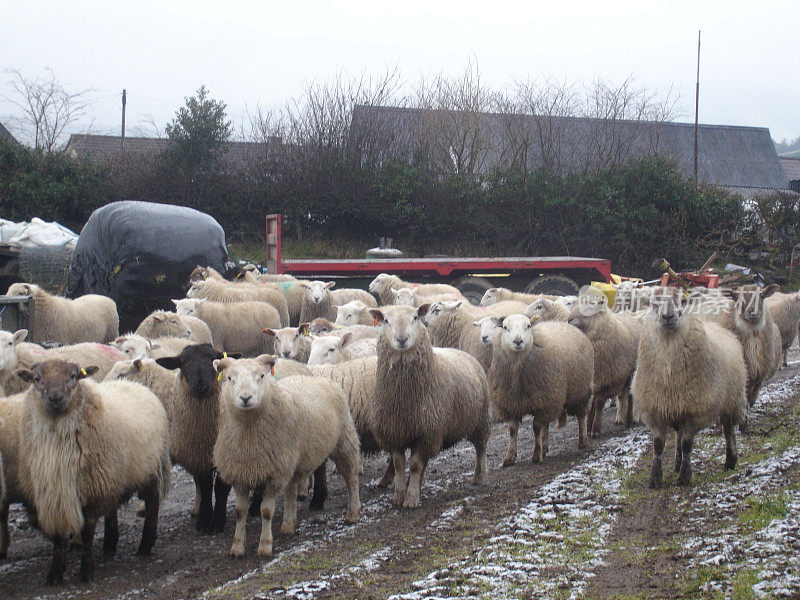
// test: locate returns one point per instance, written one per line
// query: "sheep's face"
(515, 332)
(440, 309)
(197, 369)
(491, 296)
(320, 326)
(538, 308)
(489, 327)
(586, 311)
(187, 307)
(289, 341)
(8, 344)
(55, 381)
(197, 289)
(129, 369)
(667, 307)
(402, 326)
(317, 291)
(21, 289)
(568, 301)
(749, 302)
(350, 313)
(377, 285)
(327, 350)
(199, 274)
(133, 345)
(169, 324)
(404, 297)
(245, 383)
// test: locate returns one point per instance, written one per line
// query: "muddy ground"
(527, 533)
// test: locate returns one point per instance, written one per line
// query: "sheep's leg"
(59, 563)
(302, 488)
(582, 434)
(240, 533)
(110, 533)
(629, 410)
(205, 484)
(320, 487)
(685, 476)
(86, 572)
(622, 405)
(597, 424)
(545, 439)
(658, 449)
(785, 357)
(388, 475)
(267, 512)
(4, 538)
(678, 450)
(221, 492)
(416, 471)
(348, 465)
(511, 454)
(255, 502)
(400, 483)
(196, 505)
(538, 443)
(290, 506)
(731, 453)
(152, 504)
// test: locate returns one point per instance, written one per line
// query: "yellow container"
(606, 288)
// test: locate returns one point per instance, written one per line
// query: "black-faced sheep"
(90, 318)
(85, 448)
(273, 435)
(690, 372)
(426, 399)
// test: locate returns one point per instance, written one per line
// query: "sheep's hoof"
(730, 462)
(55, 577)
(398, 499)
(654, 484)
(288, 528)
(237, 551)
(411, 502)
(86, 573)
(509, 461)
(351, 518)
(685, 480)
(265, 551)
(301, 495)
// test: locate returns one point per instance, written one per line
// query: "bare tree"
(48, 108)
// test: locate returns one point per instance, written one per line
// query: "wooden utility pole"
(125, 101)
(696, 105)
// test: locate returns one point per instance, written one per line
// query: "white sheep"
(85, 447)
(227, 292)
(353, 313)
(162, 323)
(547, 310)
(689, 374)
(132, 346)
(383, 284)
(540, 371)
(11, 410)
(426, 399)
(785, 311)
(90, 318)
(291, 342)
(331, 350)
(495, 295)
(273, 435)
(234, 327)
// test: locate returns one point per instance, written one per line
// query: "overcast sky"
(263, 52)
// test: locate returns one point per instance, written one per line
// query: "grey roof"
(791, 166)
(104, 148)
(6, 134)
(729, 156)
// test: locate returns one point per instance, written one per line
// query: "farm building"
(740, 159)
(791, 166)
(5, 134)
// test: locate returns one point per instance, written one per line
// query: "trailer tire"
(472, 288)
(556, 285)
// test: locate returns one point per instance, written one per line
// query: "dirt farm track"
(580, 525)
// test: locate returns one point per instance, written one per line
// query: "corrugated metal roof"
(5, 133)
(791, 166)
(103, 148)
(729, 156)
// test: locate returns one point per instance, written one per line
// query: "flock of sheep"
(256, 380)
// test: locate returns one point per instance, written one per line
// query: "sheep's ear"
(120, 340)
(19, 336)
(153, 346)
(345, 339)
(394, 292)
(175, 302)
(26, 375)
(303, 283)
(377, 315)
(200, 300)
(267, 359)
(330, 284)
(423, 309)
(169, 362)
(302, 329)
(137, 362)
(157, 318)
(234, 355)
(221, 364)
(268, 332)
(769, 290)
(88, 372)
(500, 320)
(456, 305)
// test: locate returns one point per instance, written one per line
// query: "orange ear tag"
(375, 324)
(272, 370)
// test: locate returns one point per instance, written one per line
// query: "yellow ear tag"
(272, 370)
(224, 355)
(375, 324)
(219, 377)
(84, 373)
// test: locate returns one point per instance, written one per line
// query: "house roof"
(729, 156)
(104, 148)
(791, 166)
(6, 134)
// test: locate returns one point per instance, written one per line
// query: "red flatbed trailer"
(547, 274)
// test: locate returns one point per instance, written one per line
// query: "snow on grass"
(552, 544)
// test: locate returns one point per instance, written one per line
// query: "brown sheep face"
(196, 364)
(749, 301)
(289, 340)
(402, 326)
(55, 381)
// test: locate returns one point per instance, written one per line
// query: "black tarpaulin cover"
(141, 254)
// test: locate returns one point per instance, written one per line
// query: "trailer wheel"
(557, 285)
(472, 288)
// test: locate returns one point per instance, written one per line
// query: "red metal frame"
(443, 267)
